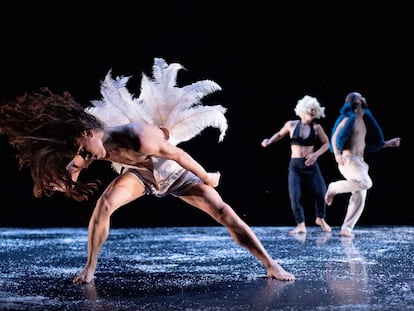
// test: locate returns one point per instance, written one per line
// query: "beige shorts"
(178, 187)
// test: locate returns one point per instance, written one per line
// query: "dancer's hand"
(339, 159)
(394, 142)
(213, 179)
(310, 159)
(265, 142)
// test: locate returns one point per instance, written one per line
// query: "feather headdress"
(179, 109)
(162, 103)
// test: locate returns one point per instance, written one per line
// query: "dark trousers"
(307, 180)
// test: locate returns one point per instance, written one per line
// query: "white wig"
(306, 104)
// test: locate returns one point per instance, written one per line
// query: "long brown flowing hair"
(44, 129)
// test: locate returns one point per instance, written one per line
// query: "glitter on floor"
(201, 268)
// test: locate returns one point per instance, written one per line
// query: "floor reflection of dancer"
(321, 240)
(355, 134)
(304, 171)
(57, 138)
(349, 280)
(267, 295)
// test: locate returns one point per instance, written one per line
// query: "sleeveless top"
(296, 139)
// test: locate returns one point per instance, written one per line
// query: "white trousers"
(357, 182)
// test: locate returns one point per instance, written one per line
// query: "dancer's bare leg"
(208, 200)
(121, 191)
(300, 228)
(322, 223)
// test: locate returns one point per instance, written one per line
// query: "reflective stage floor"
(201, 268)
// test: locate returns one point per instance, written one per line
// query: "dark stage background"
(265, 55)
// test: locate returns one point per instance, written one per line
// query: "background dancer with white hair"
(304, 171)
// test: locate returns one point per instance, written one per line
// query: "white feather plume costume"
(161, 103)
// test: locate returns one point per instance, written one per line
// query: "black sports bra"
(300, 141)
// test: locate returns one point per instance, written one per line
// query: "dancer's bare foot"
(322, 223)
(275, 271)
(86, 276)
(300, 228)
(346, 233)
(329, 195)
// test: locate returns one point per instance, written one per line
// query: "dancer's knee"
(369, 183)
(364, 184)
(104, 206)
(225, 215)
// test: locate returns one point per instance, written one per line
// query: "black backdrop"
(265, 55)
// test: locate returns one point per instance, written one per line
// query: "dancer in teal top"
(355, 134)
